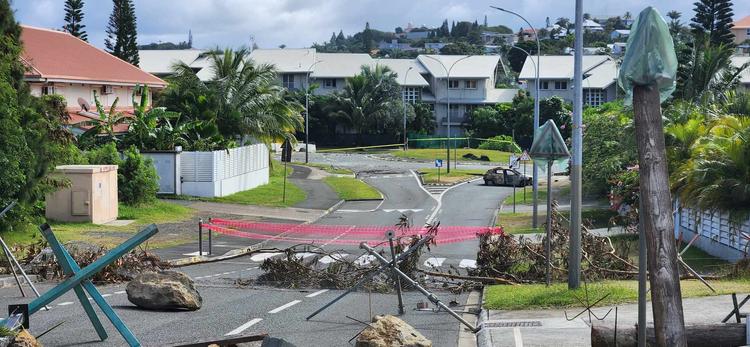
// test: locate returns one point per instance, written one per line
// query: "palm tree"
(703, 77)
(250, 102)
(367, 97)
(717, 175)
(104, 127)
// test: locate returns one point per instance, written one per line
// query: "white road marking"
(337, 237)
(403, 210)
(197, 278)
(120, 292)
(517, 337)
(468, 263)
(333, 257)
(312, 295)
(285, 306)
(303, 255)
(226, 273)
(243, 327)
(251, 268)
(434, 262)
(106, 295)
(263, 256)
(65, 303)
(195, 253)
(364, 260)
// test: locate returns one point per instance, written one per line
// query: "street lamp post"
(403, 93)
(307, 112)
(448, 99)
(536, 110)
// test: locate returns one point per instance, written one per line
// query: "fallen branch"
(482, 279)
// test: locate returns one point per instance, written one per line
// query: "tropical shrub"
(137, 181)
(500, 143)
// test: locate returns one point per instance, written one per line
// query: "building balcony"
(455, 120)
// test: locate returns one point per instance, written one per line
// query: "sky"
(300, 23)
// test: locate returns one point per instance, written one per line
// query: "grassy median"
(431, 175)
(271, 194)
(349, 188)
(438, 153)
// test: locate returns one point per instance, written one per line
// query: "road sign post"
(549, 146)
(438, 165)
(513, 163)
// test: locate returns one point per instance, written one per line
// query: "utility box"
(91, 196)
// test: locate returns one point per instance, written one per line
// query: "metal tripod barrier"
(434, 299)
(372, 274)
(13, 262)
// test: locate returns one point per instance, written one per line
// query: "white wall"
(72, 91)
(718, 235)
(222, 173)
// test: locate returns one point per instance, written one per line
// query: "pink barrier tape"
(345, 234)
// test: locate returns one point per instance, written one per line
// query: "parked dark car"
(503, 176)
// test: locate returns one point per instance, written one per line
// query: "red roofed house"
(741, 31)
(60, 63)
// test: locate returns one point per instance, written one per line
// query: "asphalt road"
(232, 308)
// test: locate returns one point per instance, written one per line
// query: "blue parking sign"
(438, 162)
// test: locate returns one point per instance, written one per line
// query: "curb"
(484, 337)
(372, 199)
(198, 259)
(467, 338)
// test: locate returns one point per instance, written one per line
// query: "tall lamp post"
(404, 98)
(448, 99)
(307, 112)
(536, 109)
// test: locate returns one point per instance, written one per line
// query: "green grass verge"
(520, 223)
(328, 168)
(157, 211)
(437, 153)
(536, 296)
(525, 198)
(349, 188)
(271, 194)
(431, 175)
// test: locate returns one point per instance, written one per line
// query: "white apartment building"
(424, 79)
(556, 78)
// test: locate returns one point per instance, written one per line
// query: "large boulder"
(390, 331)
(25, 339)
(164, 290)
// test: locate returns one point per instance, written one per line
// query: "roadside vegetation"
(520, 222)
(270, 194)
(349, 188)
(430, 154)
(430, 176)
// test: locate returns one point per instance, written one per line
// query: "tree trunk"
(657, 220)
(710, 335)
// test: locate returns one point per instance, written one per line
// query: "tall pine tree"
(713, 21)
(121, 31)
(367, 43)
(74, 19)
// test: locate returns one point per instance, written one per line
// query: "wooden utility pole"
(666, 298)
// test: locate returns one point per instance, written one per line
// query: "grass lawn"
(157, 212)
(529, 197)
(349, 188)
(271, 194)
(531, 296)
(431, 175)
(520, 223)
(328, 168)
(437, 153)
(694, 256)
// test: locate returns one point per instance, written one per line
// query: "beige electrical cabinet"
(91, 196)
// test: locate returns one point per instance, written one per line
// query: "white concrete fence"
(718, 235)
(212, 174)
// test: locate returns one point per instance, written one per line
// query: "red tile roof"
(743, 23)
(56, 55)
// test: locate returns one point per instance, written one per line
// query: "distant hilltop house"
(491, 38)
(62, 64)
(424, 79)
(741, 31)
(395, 45)
(619, 34)
(556, 78)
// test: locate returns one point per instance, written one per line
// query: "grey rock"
(390, 331)
(164, 290)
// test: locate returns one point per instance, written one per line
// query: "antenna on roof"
(84, 104)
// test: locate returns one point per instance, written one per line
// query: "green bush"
(104, 155)
(494, 144)
(136, 178)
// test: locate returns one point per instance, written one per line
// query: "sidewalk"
(551, 328)
(287, 213)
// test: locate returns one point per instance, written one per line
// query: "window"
(454, 112)
(748, 32)
(470, 84)
(107, 89)
(544, 85)
(560, 85)
(594, 97)
(329, 83)
(48, 90)
(287, 81)
(469, 109)
(453, 84)
(412, 94)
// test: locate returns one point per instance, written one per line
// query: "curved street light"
(448, 102)
(307, 112)
(536, 108)
(404, 98)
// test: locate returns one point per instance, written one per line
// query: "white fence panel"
(222, 173)
(719, 236)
